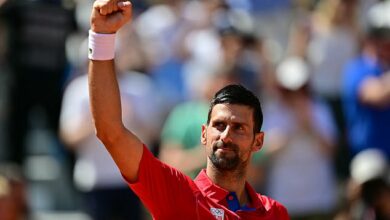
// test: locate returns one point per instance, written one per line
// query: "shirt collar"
(218, 194)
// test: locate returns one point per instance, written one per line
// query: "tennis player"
(230, 137)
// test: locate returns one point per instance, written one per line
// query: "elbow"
(107, 134)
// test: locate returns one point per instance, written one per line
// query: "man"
(180, 138)
(300, 140)
(37, 65)
(232, 134)
(367, 86)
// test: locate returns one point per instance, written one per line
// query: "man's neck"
(232, 181)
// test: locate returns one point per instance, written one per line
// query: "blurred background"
(321, 69)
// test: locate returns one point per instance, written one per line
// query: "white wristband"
(101, 46)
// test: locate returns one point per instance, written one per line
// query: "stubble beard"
(225, 162)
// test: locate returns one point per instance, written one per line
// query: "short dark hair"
(238, 94)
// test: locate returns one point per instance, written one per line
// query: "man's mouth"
(224, 147)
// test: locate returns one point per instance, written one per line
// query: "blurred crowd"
(321, 69)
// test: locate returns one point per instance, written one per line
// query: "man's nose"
(226, 135)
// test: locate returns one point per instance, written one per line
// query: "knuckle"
(96, 4)
(103, 11)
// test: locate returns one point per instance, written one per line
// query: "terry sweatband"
(101, 46)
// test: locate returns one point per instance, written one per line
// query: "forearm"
(386, 85)
(124, 147)
(376, 91)
(326, 147)
(104, 98)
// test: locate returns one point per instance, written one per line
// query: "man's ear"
(258, 142)
(203, 137)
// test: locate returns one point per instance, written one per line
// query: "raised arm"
(107, 17)
(375, 91)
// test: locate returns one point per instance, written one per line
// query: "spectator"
(36, 56)
(333, 42)
(368, 189)
(300, 145)
(366, 92)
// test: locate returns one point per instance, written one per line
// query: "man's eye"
(219, 125)
(239, 127)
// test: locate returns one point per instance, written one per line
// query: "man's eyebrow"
(240, 123)
(235, 123)
(218, 120)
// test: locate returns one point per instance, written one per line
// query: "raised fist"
(108, 16)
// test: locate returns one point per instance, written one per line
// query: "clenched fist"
(108, 16)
